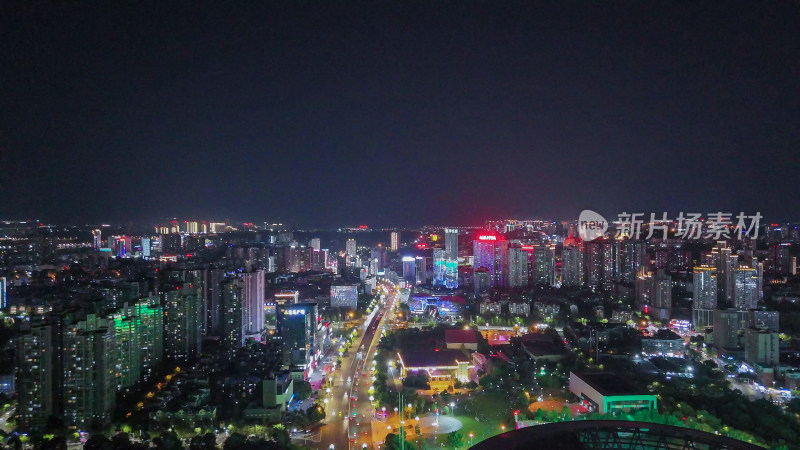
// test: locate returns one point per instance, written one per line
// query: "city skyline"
(317, 115)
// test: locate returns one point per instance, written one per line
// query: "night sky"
(400, 113)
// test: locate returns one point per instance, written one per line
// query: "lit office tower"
(572, 262)
(451, 243)
(705, 288)
(633, 257)
(725, 263)
(254, 297)
(296, 325)
(745, 288)
(377, 258)
(146, 247)
(35, 376)
(395, 241)
(150, 328)
(409, 269)
(594, 265)
(488, 252)
(517, 268)
(192, 227)
(451, 258)
(97, 239)
(315, 244)
(243, 308)
(89, 386)
(3, 293)
(127, 350)
(232, 298)
(544, 258)
(421, 268)
(761, 347)
(183, 311)
(439, 266)
(654, 293)
(350, 247)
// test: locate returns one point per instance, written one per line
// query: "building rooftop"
(427, 358)
(665, 335)
(461, 337)
(610, 383)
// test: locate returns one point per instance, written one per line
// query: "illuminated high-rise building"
(315, 244)
(35, 375)
(350, 247)
(89, 372)
(541, 264)
(572, 274)
(3, 292)
(439, 266)
(378, 259)
(489, 249)
(409, 269)
(296, 326)
(517, 268)
(451, 258)
(183, 321)
(745, 288)
(705, 288)
(451, 243)
(243, 300)
(97, 239)
(395, 241)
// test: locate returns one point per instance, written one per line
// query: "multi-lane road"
(349, 414)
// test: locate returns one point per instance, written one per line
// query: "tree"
(203, 442)
(302, 389)
(235, 441)
(97, 441)
(169, 441)
(455, 439)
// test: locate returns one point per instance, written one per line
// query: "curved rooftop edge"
(593, 434)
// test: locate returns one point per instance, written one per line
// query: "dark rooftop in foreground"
(428, 358)
(610, 383)
(461, 336)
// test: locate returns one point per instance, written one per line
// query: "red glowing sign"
(487, 237)
(528, 248)
(362, 227)
(422, 245)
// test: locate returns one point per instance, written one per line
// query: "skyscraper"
(182, 321)
(296, 325)
(439, 266)
(395, 241)
(745, 288)
(517, 276)
(315, 244)
(705, 288)
(35, 375)
(451, 243)
(451, 258)
(544, 260)
(572, 274)
(3, 293)
(89, 386)
(97, 238)
(488, 253)
(350, 247)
